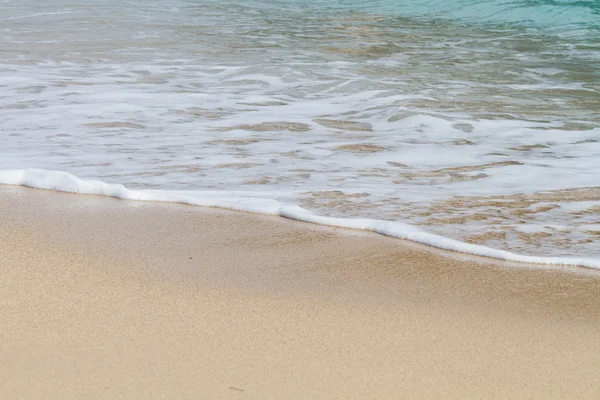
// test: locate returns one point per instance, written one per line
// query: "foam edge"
(65, 182)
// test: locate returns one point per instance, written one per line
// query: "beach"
(106, 298)
(300, 199)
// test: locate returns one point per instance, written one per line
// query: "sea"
(471, 125)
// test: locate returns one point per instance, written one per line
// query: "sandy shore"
(104, 298)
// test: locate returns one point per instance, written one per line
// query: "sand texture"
(110, 299)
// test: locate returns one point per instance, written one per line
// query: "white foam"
(531, 228)
(580, 206)
(65, 182)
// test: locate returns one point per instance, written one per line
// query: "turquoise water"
(552, 14)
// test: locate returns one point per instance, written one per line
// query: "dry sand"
(103, 298)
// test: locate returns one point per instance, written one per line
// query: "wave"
(555, 14)
(65, 182)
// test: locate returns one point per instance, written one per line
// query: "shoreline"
(112, 298)
(65, 182)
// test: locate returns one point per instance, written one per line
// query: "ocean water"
(474, 120)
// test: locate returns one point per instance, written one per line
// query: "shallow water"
(477, 120)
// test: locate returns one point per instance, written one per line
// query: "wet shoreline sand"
(106, 298)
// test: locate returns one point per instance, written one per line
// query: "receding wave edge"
(65, 182)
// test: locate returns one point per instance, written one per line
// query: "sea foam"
(65, 182)
(477, 119)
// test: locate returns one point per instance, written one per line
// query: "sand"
(105, 298)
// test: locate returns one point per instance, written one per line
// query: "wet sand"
(104, 298)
